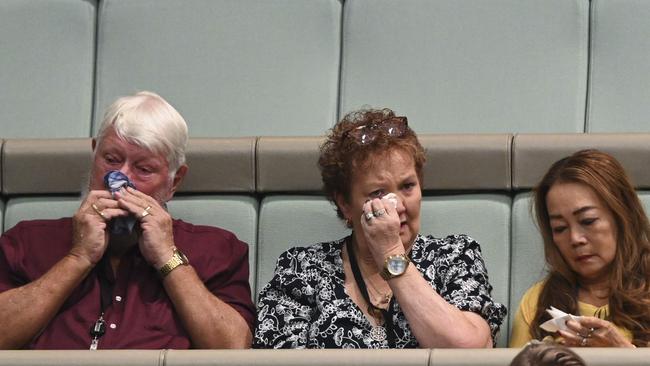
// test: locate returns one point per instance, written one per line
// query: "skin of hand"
(157, 240)
(382, 231)
(90, 237)
(598, 332)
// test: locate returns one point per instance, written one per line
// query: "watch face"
(396, 265)
(182, 257)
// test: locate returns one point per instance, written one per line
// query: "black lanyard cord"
(358, 278)
(105, 291)
(105, 299)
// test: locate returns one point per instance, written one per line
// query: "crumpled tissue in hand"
(392, 198)
(558, 321)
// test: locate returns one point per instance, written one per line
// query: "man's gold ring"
(99, 212)
(145, 212)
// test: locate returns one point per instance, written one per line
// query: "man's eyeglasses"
(394, 127)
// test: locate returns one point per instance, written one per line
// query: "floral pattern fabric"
(305, 304)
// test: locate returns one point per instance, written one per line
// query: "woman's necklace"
(381, 298)
(378, 332)
(375, 311)
(384, 297)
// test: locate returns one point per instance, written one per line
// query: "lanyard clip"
(97, 330)
(94, 344)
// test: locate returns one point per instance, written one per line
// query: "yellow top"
(528, 306)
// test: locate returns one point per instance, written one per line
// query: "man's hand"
(157, 239)
(89, 234)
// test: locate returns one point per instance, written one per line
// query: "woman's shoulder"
(314, 254)
(299, 271)
(458, 253)
(535, 289)
(451, 240)
(450, 245)
(531, 296)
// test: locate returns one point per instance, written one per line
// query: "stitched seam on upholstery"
(590, 20)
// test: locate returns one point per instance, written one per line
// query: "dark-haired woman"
(384, 286)
(596, 245)
(546, 354)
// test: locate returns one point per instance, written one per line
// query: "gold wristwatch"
(395, 266)
(178, 259)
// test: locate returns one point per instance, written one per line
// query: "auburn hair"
(342, 153)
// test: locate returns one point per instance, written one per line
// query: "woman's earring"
(348, 223)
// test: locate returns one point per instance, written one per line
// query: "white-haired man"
(81, 283)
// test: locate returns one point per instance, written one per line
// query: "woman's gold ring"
(379, 212)
(369, 216)
(583, 343)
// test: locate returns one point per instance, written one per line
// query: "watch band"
(177, 259)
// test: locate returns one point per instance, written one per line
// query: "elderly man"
(122, 273)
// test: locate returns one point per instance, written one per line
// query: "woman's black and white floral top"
(305, 304)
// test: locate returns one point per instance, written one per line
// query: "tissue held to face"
(148, 171)
(392, 172)
(115, 181)
(583, 229)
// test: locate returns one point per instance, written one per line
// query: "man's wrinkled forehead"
(112, 139)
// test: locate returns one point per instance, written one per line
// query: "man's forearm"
(26, 310)
(210, 322)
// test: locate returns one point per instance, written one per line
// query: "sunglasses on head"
(365, 134)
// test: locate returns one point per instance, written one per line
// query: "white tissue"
(558, 321)
(392, 198)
